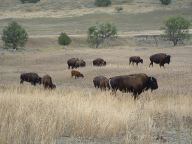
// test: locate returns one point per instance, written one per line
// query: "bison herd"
(134, 83)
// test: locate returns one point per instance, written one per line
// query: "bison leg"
(21, 82)
(151, 64)
(129, 62)
(137, 63)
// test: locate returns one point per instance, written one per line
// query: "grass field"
(76, 112)
(76, 109)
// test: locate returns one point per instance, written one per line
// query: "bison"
(135, 59)
(101, 82)
(32, 78)
(75, 63)
(99, 62)
(71, 62)
(47, 82)
(135, 83)
(80, 63)
(160, 58)
(76, 74)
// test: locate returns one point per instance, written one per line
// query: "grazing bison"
(80, 63)
(101, 82)
(99, 62)
(160, 58)
(135, 83)
(71, 62)
(75, 63)
(76, 74)
(47, 82)
(135, 59)
(32, 78)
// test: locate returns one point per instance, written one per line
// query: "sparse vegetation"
(102, 3)
(64, 39)
(176, 29)
(29, 1)
(14, 36)
(100, 33)
(165, 2)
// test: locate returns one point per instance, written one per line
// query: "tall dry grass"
(32, 115)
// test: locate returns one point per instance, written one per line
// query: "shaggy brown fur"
(47, 82)
(99, 62)
(101, 82)
(135, 59)
(32, 78)
(160, 58)
(76, 74)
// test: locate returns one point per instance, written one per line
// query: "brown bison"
(75, 63)
(160, 58)
(80, 63)
(101, 82)
(47, 82)
(135, 59)
(71, 62)
(32, 78)
(135, 83)
(99, 62)
(76, 74)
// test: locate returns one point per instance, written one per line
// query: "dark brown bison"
(47, 82)
(135, 59)
(101, 82)
(32, 78)
(80, 63)
(71, 62)
(99, 62)
(160, 58)
(135, 83)
(75, 63)
(76, 74)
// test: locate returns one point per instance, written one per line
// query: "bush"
(176, 29)
(29, 1)
(100, 33)
(14, 36)
(102, 3)
(64, 39)
(165, 2)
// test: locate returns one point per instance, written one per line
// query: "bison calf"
(47, 82)
(99, 62)
(76, 74)
(101, 82)
(135, 59)
(32, 78)
(160, 58)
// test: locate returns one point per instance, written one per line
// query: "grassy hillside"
(76, 109)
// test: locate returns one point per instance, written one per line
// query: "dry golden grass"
(75, 109)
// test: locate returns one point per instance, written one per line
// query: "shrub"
(102, 3)
(176, 29)
(29, 1)
(99, 33)
(165, 2)
(64, 39)
(14, 36)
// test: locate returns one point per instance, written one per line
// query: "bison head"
(152, 83)
(104, 63)
(141, 60)
(168, 59)
(39, 80)
(53, 86)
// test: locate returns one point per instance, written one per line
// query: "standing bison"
(101, 82)
(47, 82)
(32, 78)
(75, 63)
(99, 62)
(135, 83)
(135, 59)
(160, 58)
(76, 74)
